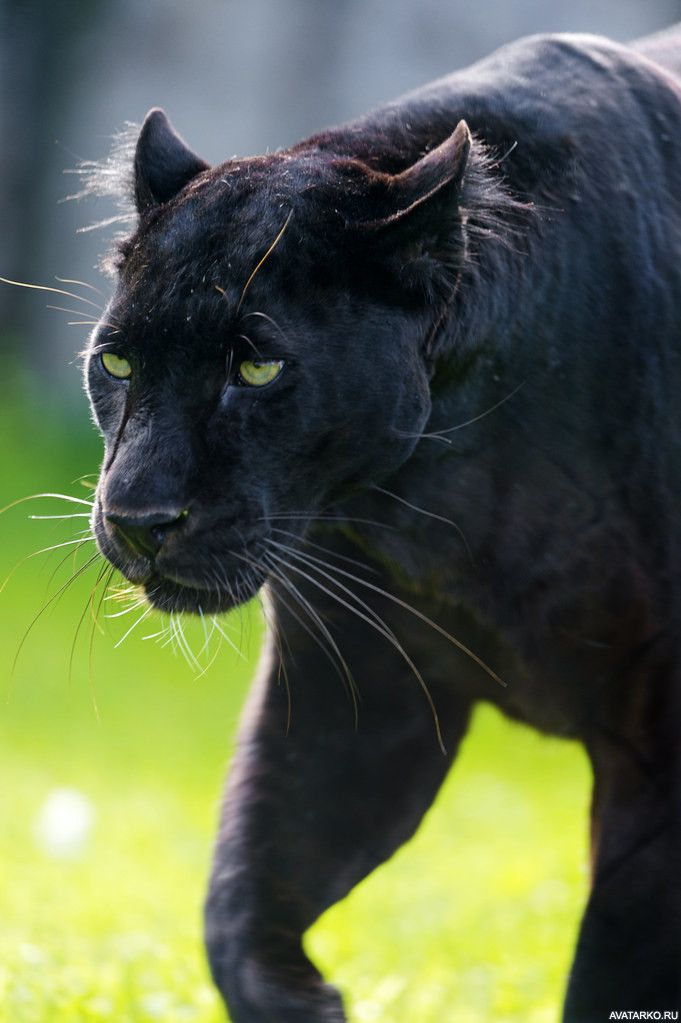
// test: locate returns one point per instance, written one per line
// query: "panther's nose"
(145, 533)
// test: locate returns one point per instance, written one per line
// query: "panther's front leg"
(312, 808)
(629, 949)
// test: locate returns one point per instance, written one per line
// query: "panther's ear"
(163, 163)
(437, 175)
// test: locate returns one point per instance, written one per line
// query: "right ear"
(164, 164)
(431, 183)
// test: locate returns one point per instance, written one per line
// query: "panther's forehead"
(222, 230)
(226, 215)
(311, 234)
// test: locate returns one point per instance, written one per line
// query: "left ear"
(164, 164)
(436, 176)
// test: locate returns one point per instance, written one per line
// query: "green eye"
(257, 374)
(116, 365)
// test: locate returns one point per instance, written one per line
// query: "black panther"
(420, 377)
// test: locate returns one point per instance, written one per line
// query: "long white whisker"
(185, 648)
(418, 614)
(303, 624)
(147, 611)
(375, 621)
(228, 641)
(65, 543)
(325, 550)
(56, 291)
(314, 614)
(73, 515)
(34, 497)
(205, 632)
(345, 674)
(82, 284)
(78, 542)
(65, 309)
(126, 610)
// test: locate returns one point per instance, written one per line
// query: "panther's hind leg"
(629, 949)
(309, 812)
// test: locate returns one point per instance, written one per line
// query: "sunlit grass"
(473, 920)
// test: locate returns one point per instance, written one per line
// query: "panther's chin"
(174, 594)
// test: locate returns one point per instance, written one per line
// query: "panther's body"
(481, 404)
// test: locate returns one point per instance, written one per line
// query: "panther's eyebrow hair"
(264, 260)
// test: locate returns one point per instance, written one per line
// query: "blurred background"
(112, 753)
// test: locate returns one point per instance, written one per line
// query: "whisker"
(126, 610)
(228, 641)
(268, 319)
(73, 515)
(377, 623)
(281, 667)
(121, 593)
(62, 561)
(184, 644)
(34, 497)
(155, 635)
(173, 637)
(63, 543)
(325, 550)
(339, 520)
(62, 589)
(170, 636)
(96, 626)
(45, 550)
(303, 624)
(204, 668)
(95, 349)
(247, 339)
(339, 662)
(347, 675)
(83, 284)
(487, 412)
(86, 480)
(96, 611)
(56, 291)
(418, 614)
(85, 535)
(387, 631)
(88, 606)
(175, 628)
(147, 611)
(65, 309)
(440, 434)
(429, 514)
(205, 630)
(120, 218)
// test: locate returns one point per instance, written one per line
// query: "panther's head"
(265, 352)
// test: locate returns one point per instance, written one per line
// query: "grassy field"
(111, 774)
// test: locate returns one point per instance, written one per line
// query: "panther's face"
(260, 360)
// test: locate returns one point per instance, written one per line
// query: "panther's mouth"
(170, 593)
(206, 582)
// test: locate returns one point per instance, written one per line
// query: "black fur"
(475, 293)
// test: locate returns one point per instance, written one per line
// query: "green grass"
(473, 920)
